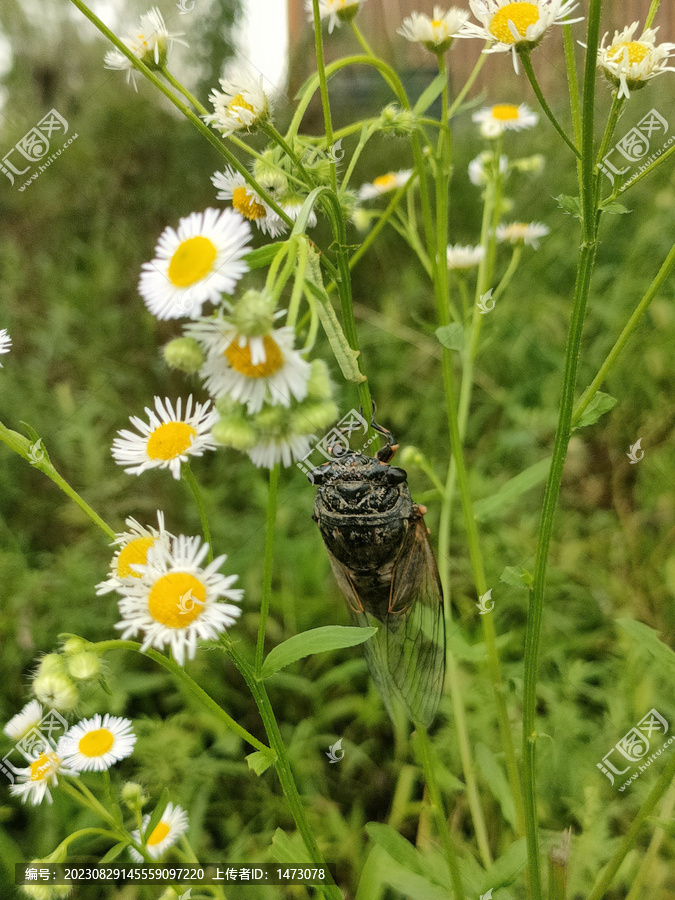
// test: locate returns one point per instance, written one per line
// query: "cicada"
(379, 551)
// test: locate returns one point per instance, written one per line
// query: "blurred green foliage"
(86, 356)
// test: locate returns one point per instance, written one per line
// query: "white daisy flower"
(336, 11)
(251, 369)
(150, 43)
(20, 724)
(522, 233)
(479, 174)
(495, 120)
(34, 781)
(464, 257)
(241, 105)
(436, 32)
(292, 205)
(196, 263)
(629, 64)
(5, 342)
(284, 450)
(513, 25)
(233, 186)
(171, 826)
(133, 546)
(168, 439)
(383, 184)
(175, 601)
(95, 744)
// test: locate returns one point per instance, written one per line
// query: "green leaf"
(509, 492)
(318, 640)
(599, 405)
(156, 816)
(649, 640)
(113, 853)
(413, 886)
(396, 846)
(613, 207)
(508, 867)
(263, 256)
(571, 205)
(289, 851)
(497, 782)
(451, 336)
(518, 577)
(430, 93)
(258, 761)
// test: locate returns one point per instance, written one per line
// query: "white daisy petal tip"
(335, 11)
(462, 257)
(437, 32)
(24, 721)
(5, 342)
(96, 744)
(384, 184)
(173, 824)
(529, 233)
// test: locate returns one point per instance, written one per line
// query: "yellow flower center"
(436, 23)
(240, 359)
(176, 599)
(96, 743)
(516, 231)
(636, 52)
(238, 102)
(170, 440)
(247, 205)
(521, 15)
(505, 112)
(43, 766)
(192, 261)
(158, 835)
(136, 553)
(385, 182)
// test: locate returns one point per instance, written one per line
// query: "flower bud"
(74, 645)
(311, 417)
(234, 432)
(133, 795)
(84, 666)
(185, 354)
(57, 691)
(51, 664)
(411, 456)
(253, 315)
(319, 385)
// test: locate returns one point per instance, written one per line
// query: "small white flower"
(167, 439)
(241, 105)
(5, 342)
(34, 781)
(336, 11)
(495, 120)
(20, 724)
(383, 184)
(464, 257)
(195, 264)
(95, 744)
(176, 601)
(171, 826)
(513, 25)
(522, 233)
(436, 32)
(292, 205)
(233, 186)
(629, 64)
(250, 369)
(480, 169)
(133, 546)
(150, 44)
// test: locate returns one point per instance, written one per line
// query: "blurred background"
(86, 356)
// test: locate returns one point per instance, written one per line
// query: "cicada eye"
(395, 475)
(317, 476)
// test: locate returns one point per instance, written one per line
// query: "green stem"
(361, 39)
(186, 681)
(323, 87)
(175, 83)
(456, 103)
(381, 222)
(604, 881)
(615, 112)
(191, 481)
(274, 135)
(298, 284)
(651, 15)
(529, 71)
(572, 81)
(648, 171)
(623, 338)
(282, 763)
(268, 561)
(429, 769)
(649, 861)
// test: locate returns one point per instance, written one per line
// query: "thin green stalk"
(191, 481)
(625, 335)
(648, 171)
(456, 103)
(604, 881)
(647, 866)
(268, 561)
(298, 284)
(651, 15)
(429, 769)
(181, 676)
(572, 81)
(282, 763)
(323, 87)
(381, 222)
(175, 83)
(361, 39)
(529, 71)
(274, 135)
(615, 112)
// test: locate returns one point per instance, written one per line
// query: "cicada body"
(379, 550)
